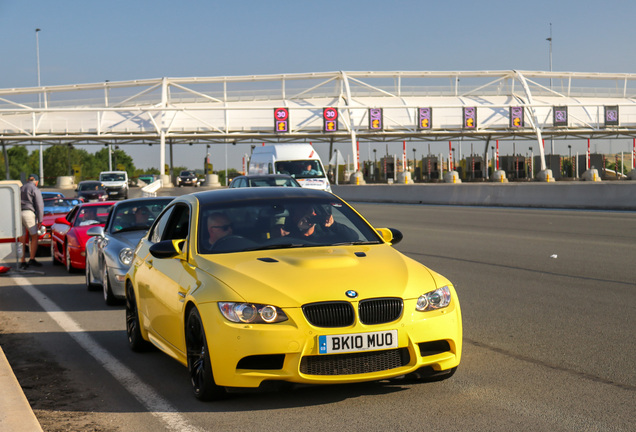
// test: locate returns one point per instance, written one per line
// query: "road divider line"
(145, 394)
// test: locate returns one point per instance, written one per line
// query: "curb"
(16, 414)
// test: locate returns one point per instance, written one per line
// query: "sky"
(84, 41)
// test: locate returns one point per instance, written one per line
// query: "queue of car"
(109, 248)
(69, 233)
(248, 285)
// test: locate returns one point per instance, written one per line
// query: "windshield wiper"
(277, 246)
(354, 243)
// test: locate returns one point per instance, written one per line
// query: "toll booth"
(552, 162)
(387, 169)
(430, 168)
(371, 172)
(474, 168)
(596, 162)
(514, 166)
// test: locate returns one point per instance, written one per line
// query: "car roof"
(141, 200)
(90, 181)
(260, 193)
(259, 176)
(97, 204)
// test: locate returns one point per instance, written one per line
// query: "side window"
(179, 225)
(157, 231)
(71, 214)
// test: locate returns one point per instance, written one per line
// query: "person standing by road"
(32, 215)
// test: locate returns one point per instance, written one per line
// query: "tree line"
(60, 160)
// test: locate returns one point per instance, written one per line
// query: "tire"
(109, 297)
(136, 341)
(426, 375)
(199, 365)
(89, 275)
(55, 261)
(67, 259)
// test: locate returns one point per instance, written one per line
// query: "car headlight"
(126, 256)
(251, 313)
(438, 299)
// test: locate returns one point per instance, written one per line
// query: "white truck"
(116, 183)
(301, 161)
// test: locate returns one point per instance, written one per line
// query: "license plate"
(332, 344)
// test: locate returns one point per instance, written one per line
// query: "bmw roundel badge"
(351, 294)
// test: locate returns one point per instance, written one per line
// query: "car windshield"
(112, 177)
(136, 215)
(59, 205)
(187, 174)
(281, 223)
(300, 169)
(92, 215)
(273, 181)
(90, 187)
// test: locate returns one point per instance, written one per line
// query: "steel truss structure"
(373, 106)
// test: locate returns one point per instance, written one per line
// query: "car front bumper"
(246, 355)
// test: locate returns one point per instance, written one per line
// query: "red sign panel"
(330, 119)
(281, 119)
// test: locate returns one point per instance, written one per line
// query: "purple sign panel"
(424, 118)
(470, 117)
(560, 116)
(516, 117)
(375, 118)
(611, 116)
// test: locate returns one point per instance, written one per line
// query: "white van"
(301, 161)
(116, 183)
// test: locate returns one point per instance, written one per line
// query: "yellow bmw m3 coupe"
(260, 285)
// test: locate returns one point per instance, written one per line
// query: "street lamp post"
(375, 164)
(531, 162)
(550, 44)
(414, 164)
(570, 158)
(37, 55)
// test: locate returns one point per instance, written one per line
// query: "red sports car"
(68, 234)
(54, 208)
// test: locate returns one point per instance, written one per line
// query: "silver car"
(109, 250)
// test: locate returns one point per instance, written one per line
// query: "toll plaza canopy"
(324, 106)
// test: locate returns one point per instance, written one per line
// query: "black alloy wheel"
(136, 342)
(199, 365)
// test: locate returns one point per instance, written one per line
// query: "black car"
(188, 178)
(91, 190)
(281, 180)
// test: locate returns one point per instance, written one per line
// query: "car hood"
(125, 239)
(49, 218)
(292, 277)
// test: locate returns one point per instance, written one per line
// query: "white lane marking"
(150, 399)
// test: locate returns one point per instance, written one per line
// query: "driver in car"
(219, 226)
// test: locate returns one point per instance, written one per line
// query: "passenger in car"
(305, 222)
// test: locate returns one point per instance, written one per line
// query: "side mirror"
(390, 235)
(168, 249)
(62, 220)
(95, 231)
